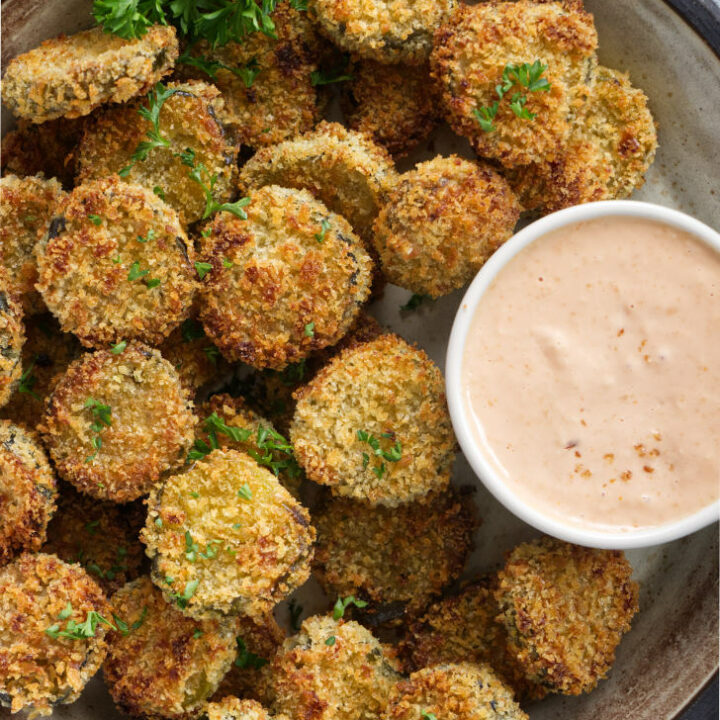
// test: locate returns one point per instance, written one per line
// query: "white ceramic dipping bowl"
(455, 392)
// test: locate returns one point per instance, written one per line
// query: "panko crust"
(565, 609)
(12, 339)
(453, 692)
(151, 430)
(389, 31)
(27, 491)
(262, 638)
(383, 387)
(473, 48)
(39, 671)
(100, 536)
(49, 149)
(249, 541)
(462, 627)
(46, 354)
(105, 233)
(194, 356)
(271, 391)
(187, 120)
(396, 559)
(442, 222)
(281, 101)
(26, 207)
(69, 76)
(348, 678)
(236, 413)
(169, 665)
(342, 168)
(286, 293)
(611, 147)
(396, 105)
(232, 708)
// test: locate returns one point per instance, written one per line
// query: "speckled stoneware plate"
(671, 651)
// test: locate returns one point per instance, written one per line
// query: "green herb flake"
(342, 604)
(330, 641)
(119, 348)
(310, 330)
(324, 227)
(28, 380)
(244, 492)
(245, 658)
(197, 634)
(203, 269)
(149, 236)
(152, 282)
(95, 219)
(226, 263)
(136, 272)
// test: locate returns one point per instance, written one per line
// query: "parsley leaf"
(79, 631)
(182, 598)
(246, 659)
(324, 227)
(28, 380)
(485, 115)
(136, 272)
(203, 269)
(414, 302)
(330, 641)
(332, 75)
(310, 330)
(118, 348)
(341, 605)
(95, 219)
(392, 455)
(245, 492)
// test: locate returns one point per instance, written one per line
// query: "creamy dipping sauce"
(591, 374)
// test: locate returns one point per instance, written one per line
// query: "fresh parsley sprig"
(101, 419)
(526, 75)
(75, 630)
(342, 604)
(392, 455)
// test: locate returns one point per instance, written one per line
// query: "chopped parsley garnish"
(310, 330)
(119, 348)
(247, 72)
(152, 282)
(95, 219)
(226, 263)
(149, 236)
(198, 634)
(126, 629)
(324, 227)
(157, 97)
(392, 455)
(527, 76)
(158, 522)
(203, 269)
(295, 610)
(245, 492)
(182, 598)
(136, 272)
(102, 419)
(66, 612)
(428, 715)
(341, 605)
(159, 192)
(78, 631)
(330, 641)
(415, 302)
(246, 659)
(28, 380)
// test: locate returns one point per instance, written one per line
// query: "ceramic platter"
(671, 651)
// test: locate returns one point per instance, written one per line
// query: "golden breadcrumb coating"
(150, 418)
(343, 169)
(194, 356)
(162, 664)
(333, 670)
(12, 339)
(101, 536)
(187, 122)
(271, 391)
(281, 101)
(395, 559)
(49, 149)
(232, 708)
(230, 537)
(395, 393)
(69, 76)
(45, 356)
(41, 596)
(116, 265)
(475, 46)
(453, 692)
(611, 147)
(249, 676)
(565, 609)
(443, 220)
(26, 207)
(27, 491)
(389, 31)
(462, 627)
(396, 105)
(288, 280)
(256, 437)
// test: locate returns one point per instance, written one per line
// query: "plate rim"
(703, 17)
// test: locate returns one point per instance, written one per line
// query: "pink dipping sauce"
(591, 374)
